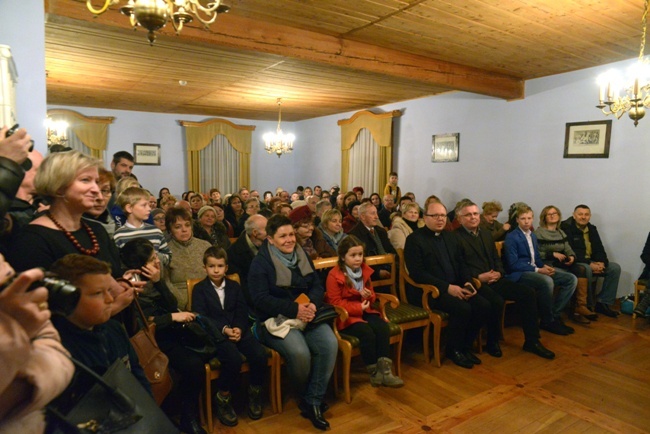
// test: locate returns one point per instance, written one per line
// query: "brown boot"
(581, 299)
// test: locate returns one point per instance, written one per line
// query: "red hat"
(299, 214)
(358, 190)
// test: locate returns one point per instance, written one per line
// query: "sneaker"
(225, 413)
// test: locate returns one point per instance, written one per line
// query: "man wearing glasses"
(433, 256)
(480, 255)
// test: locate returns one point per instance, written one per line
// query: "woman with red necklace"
(69, 180)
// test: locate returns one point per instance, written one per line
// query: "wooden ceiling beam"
(243, 33)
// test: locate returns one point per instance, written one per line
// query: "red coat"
(338, 293)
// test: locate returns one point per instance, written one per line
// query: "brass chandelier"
(635, 96)
(154, 14)
(278, 142)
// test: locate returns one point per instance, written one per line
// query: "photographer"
(35, 368)
(13, 153)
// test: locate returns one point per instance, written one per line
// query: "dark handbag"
(116, 403)
(198, 337)
(325, 313)
(153, 361)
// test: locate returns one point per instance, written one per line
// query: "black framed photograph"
(146, 154)
(445, 148)
(587, 139)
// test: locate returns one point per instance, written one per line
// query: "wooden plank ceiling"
(326, 57)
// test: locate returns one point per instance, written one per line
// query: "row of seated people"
(72, 184)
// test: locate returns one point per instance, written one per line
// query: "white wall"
(21, 27)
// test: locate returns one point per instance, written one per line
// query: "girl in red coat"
(348, 285)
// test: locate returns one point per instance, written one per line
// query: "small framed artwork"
(445, 148)
(587, 139)
(146, 154)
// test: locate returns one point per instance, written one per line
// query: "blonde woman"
(404, 225)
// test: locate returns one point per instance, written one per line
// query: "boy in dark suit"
(222, 302)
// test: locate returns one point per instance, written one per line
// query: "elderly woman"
(352, 218)
(555, 250)
(285, 286)
(209, 229)
(404, 225)
(69, 180)
(489, 220)
(99, 212)
(187, 252)
(331, 227)
(309, 238)
(221, 218)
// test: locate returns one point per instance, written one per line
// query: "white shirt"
(221, 291)
(530, 247)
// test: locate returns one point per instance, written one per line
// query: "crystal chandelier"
(635, 87)
(56, 132)
(154, 14)
(278, 142)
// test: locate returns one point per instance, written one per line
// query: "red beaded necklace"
(74, 241)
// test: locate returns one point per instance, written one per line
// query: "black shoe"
(606, 310)
(569, 330)
(254, 402)
(458, 357)
(553, 327)
(469, 355)
(314, 414)
(539, 349)
(324, 408)
(191, 426)
(223, 407)
(494, 349)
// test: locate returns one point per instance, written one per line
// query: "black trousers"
(373, 335)
(190, 366)
(230, 355)
(525, 299)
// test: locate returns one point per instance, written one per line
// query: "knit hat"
(298, 203)
(299, 214)
(155, 212)
(204, 209)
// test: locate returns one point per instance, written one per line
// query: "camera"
(63, 296)
(27, 164)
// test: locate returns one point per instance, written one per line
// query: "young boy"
(392, 188)
(524, 265)
(134, 201)
(222, 302)
(89, 333)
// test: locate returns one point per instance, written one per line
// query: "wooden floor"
(599, 382)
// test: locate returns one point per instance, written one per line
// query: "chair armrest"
(343, 316)
(428, 290)
(385, 299)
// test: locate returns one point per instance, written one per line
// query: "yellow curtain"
(91, 130)
(198, 135)
(381, 127)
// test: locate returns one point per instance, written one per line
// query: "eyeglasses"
(437, 216)
(106, 192)
(159, 219)
(551, 213)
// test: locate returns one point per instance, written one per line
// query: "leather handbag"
(153, 361)
(325, 313)
(115, 403)
(198, 337)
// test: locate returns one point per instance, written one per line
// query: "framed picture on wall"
(587, 139)
(146, 154)
(445, 148)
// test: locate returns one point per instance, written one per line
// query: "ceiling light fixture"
(154, 14)
(278, 143)
(635, 87)
(56, 132)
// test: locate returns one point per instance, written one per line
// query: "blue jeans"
(549, 310)
(310, 357)
(610, 285)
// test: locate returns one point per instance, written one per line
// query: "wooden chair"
(349, 345)
(438, 318)
(640, 286)
(212, 369)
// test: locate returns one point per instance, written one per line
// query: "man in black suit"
(388, 208)
(480, 255)
(373, 236)
(433, 256)
(242, 251)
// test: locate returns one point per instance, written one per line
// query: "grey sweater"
(550, 242)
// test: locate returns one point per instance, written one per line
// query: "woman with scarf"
(332, 228)
(404, 225)
(287, 293)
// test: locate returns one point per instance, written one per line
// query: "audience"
(387, 210)
(332, 228)
(242, 251)
(403, 225)
(373, 236)
(392, 189)
(489, 220)
(208, 228)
